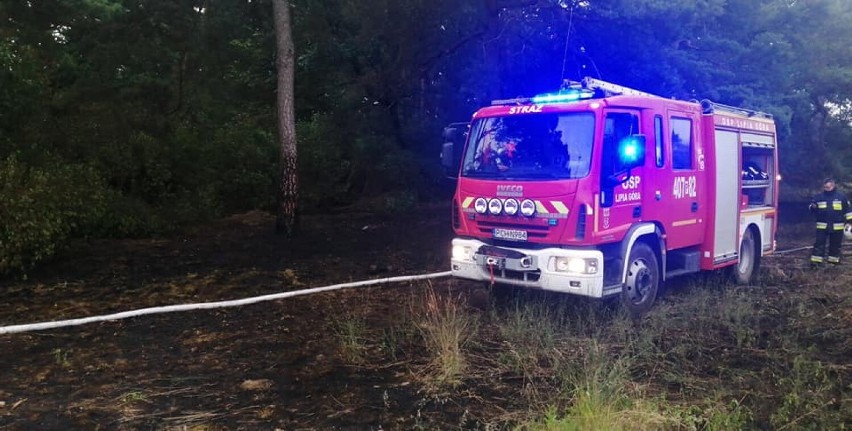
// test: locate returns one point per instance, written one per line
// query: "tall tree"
(288, 189)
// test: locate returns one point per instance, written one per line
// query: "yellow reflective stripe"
(849, 216)
(679, 223)
(560, 207)
(541, 208)
(817, 259)
(467, 201)
(837, 205)
(822, 225)
(837, 226)
(833, 259)
(822, 205)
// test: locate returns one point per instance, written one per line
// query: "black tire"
(748, 265)
(643, 280)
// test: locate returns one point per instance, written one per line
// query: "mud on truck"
(600, 190)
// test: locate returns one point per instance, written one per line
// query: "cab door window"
(682, 145)
(659, 156)
(617, 126)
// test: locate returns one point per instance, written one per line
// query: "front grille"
(456, 217)
(581, 223)
(508, 274)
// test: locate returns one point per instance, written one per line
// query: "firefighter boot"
(815, 262)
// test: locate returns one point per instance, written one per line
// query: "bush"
(244, 167)
(40, 208)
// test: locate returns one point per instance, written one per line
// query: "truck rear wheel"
(643, 280)
(746, 269)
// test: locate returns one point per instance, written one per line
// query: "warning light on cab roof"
(567, 96)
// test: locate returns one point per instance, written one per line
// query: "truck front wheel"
(643, 280)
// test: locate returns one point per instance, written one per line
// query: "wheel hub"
(638, 281)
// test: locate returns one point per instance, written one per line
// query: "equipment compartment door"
(727, 195)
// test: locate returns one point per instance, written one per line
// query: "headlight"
(510, 206)
(461, 252)
(528, 207)
(495, 206)
(480, 205)
(576, 265)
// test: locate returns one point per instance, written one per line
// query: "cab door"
(683, 206)
(620, 200)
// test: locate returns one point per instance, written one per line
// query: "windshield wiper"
(540, 174)
(483, 175)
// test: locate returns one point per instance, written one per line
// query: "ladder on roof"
(597, 84)
(709, 107)
(706, 105)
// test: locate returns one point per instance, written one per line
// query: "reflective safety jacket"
(832, 210)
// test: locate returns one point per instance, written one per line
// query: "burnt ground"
(274, 364)
(282, 364)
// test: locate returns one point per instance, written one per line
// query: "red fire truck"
(602, 190)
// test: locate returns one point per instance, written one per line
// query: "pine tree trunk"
(288, 189)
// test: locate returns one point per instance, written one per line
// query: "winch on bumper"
(579, 272)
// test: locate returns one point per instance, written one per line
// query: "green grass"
(351, 334)
(710, 356)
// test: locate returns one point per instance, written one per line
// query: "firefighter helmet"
(847, 231)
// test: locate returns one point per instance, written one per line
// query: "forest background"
(129, 118)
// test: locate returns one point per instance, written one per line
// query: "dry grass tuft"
(446, 328)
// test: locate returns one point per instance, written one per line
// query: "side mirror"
(448, 156)
(451, 151)
(451, 133)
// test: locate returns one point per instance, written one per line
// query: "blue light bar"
(569, 96)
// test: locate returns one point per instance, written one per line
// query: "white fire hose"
(14, 329)
(208, 305)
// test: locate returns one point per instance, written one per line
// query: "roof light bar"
(569, 96)
(572, 91)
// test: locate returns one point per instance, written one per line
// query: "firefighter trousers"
(834, 239)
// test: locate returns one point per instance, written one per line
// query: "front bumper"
(475, 260)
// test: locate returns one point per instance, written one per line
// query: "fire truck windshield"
(530, 146)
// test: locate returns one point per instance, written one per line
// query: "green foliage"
(241, 162)
(138, 92)
(809, 397)
(732, 416)
(529, 333)
(42, 207)
(351, 334)
(326, 168)
(172, 103)
(339, 168)
(604, 399)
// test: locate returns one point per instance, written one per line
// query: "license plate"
(510, 234)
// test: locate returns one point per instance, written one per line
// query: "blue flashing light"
(568, 96)
(630, 150)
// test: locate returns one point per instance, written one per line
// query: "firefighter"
(832, 211)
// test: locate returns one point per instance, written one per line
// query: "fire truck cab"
(601, 190)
